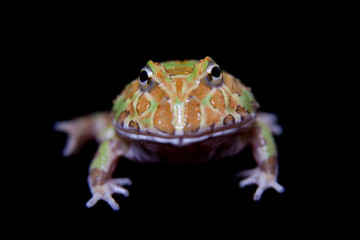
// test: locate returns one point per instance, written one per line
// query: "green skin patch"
(270, 142)
(102, 155)
(119, 106)
(246, 100)
(206, 100)
(196, 71)
(171, 64)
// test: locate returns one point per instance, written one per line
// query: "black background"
(78, 65)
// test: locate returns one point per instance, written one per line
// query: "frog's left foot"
(262, 179)
(106, 190)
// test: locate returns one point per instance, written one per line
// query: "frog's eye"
(214, 73)
(145, 77)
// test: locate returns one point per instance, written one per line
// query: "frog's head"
(178, 99)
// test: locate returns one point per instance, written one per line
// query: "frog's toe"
(262, 179)
(104, 192)
(74, 141)
(96, 197)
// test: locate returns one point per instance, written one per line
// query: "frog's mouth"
(181, 139)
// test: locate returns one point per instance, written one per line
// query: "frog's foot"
(262, 179)
(77, 135)
(106, 190)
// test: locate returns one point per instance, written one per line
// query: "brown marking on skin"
(269, 166)
(212, 126)
(98, 177)
(192, 115)
(229, 119)
(158, 94)
(134, 125)
(163, 117)
(179, 85)
(217, 101)
(124, 114)
(143, 104)
(243, 113)
(179, 70)
(201, 91)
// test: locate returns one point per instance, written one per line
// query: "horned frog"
(181, 112)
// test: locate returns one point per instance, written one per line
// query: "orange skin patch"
(232, 104)
(158, 94)
(130, 89)
(163, 117)
(212, 117)
(201, 91)
(179, 85)
(234, 86)
(192, 115)
(142, 105)
(181, 70)
(217, 101)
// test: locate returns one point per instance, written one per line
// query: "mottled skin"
(177, 111)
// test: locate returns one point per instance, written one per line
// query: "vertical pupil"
(215, 72)
(143, 76)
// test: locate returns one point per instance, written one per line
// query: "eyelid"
(216, 81)
(145, 84)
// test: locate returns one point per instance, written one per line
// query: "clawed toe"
(262, 179)
(74, 140)
(104, 192)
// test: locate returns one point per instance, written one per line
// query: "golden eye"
(214, 73)
(146, 77)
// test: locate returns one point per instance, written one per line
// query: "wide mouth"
(183, 139)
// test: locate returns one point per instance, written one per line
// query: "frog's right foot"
(105, 191)
(75, 138)
(83, 129)
(79, 131)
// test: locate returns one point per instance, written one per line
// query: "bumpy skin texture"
(180, 100)
(177, 111)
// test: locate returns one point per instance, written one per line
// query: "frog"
(178, 111)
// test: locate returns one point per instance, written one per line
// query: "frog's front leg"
(265, 154)
(101, 184)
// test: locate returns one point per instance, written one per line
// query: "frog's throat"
(183, 140)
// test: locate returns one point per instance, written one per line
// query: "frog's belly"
(198, 151)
